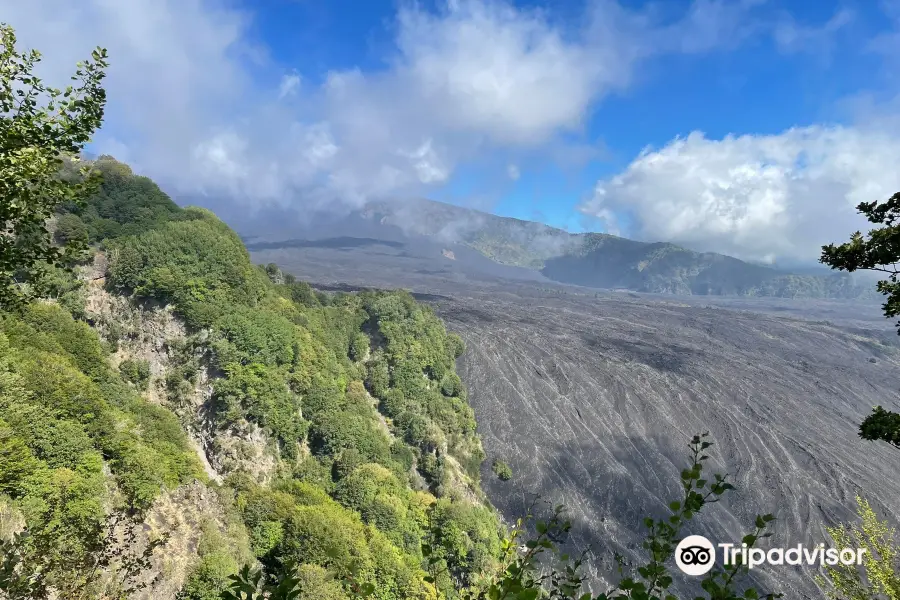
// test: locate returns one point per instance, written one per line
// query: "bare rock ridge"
(179, 518)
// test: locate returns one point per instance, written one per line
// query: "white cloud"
(176, 69)
(474, 79)
(501, 72)
(512, 171)
(756, 197)
(769, 197)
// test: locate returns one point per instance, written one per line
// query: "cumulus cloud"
(757, 197)
(190, 106)
(177, 69)
(768, 197)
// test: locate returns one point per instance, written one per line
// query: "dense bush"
(501, 470)
(219, 558)
(255, 392)
(63, 413)
(537, 566)
(359, 346)
(414, 380)
(254, 336)
(124, 205)
(70, 228)
(135, 371)
(199, 265)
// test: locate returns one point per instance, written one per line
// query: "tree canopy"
(879, 251)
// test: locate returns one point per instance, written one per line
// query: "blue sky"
(749, 127)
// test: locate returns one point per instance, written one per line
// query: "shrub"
(254, 336)
(136, 372)
(70, 228)
(259, 394)
(456, 345)
(341, 430)
(359, 346)
(502, 470)
(451, 385)
(210, 578)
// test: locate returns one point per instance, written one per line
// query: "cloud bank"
(769, 198)
(757, 197)
(198, 104)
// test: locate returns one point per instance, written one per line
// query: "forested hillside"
(326, 430)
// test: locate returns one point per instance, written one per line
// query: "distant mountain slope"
(612, 262)
(504, 240)
(606, 261)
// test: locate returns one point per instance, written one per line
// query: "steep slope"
(591, 402)
(612, 262)
(505, 240)
(180, 412)
(368, 233)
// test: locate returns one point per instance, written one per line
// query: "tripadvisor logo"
(695, 555)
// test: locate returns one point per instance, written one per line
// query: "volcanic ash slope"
(592, 402)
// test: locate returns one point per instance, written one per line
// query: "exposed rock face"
(592, 403)
(177, 518)
(148, 333)
(141, 333)
(244, 447)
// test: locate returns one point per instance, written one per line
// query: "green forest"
(375, 443)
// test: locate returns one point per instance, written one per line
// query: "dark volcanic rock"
(592, 404)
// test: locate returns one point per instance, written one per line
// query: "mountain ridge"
(602, 260)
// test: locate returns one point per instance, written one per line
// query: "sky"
(748, 127)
